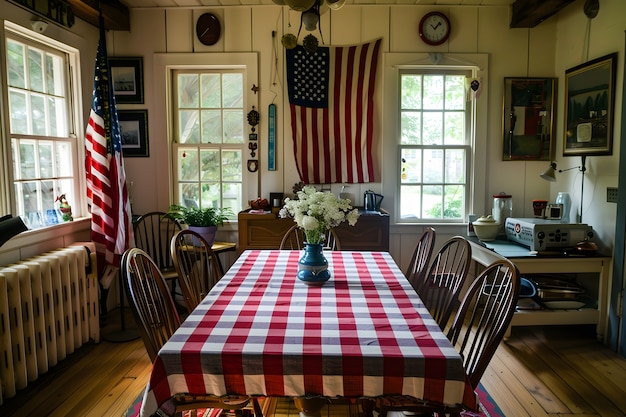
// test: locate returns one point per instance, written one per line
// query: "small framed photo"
(252, 136)
(134, 131)
(127, 77)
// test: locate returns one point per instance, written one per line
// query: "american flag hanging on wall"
(111, 228)
(331, 95)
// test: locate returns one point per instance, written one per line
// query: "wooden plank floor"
(540, 371)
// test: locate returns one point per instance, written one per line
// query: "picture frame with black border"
(134, 132)
(589, 107)
(127, 79)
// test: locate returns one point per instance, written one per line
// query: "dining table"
(261, 332)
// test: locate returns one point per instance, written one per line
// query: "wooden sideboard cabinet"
(265, 231)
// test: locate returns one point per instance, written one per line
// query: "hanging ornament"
(289, 41)
(310, 43)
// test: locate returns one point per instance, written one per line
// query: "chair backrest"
(153, 233)
(196, 264)
(150, 300)
(421, 257)
(441, 287)
(294, 239)
(484, 316)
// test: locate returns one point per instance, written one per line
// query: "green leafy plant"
(199, 216)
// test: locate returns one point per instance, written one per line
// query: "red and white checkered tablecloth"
(261, 331)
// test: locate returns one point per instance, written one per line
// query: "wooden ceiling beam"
(529, 13)
(115, 14)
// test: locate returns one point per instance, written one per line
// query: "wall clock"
(208, 29)
(434, 28)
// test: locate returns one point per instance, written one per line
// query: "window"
(43, 144)
(209, 137)
(436, 130)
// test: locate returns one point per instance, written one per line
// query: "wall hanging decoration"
(589, 104)
(527, 118)
(134, 130)
(127, 75)
(321, 86)
(271, 137)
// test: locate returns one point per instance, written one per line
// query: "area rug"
(284, 408)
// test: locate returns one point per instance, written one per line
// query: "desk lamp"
(550, 175)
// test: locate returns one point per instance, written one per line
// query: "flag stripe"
(111, 229)
(333, 143)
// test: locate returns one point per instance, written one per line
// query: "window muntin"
(209, 143)
(435, 135)
(43, 148)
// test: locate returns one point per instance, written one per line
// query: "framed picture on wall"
(127, 77)
(528, 118)
(589, 107)
(134, 130)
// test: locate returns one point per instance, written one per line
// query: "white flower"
(316, 212)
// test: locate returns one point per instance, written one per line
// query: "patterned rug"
(283, 407)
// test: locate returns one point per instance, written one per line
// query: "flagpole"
(111, 228)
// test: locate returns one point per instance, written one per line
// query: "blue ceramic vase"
(313, 266)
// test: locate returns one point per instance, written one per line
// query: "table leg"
(310, 406)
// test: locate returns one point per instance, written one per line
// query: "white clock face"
(434, 29)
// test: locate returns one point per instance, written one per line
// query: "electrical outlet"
(611, 194)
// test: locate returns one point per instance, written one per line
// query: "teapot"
(372, 201)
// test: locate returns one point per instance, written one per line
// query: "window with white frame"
(435, 129)
(209, 137)
(44, 149)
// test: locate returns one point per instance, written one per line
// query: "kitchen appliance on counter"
(543, 234)
(372, 201)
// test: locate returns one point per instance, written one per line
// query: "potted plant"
(204, 221)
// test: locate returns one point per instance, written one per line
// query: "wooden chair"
(478, 328)
(197, 266)
(150, 300)
(157, 318)
(441, 287)
(153, 233)
(294, 239)
(421, 257)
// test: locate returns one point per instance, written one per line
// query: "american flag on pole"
(331, 95)
(111, 228)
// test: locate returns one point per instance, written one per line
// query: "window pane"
(433, 92)
(190, 194)
(232, 165)
(410, 202)
(433, 166)
(453, 202)
(231, 196)
(411, 128)
(210, 195)
(15, 63)
(433, 208)
(187, 91)
(211, 91)
(19, 113)
(433, 128)
(454, 128)
(46, 169)
(27, 160)
(455, 92)
(411, 165)
(188, 168)
(210, 165)
(35, 74)
(411, 92)
(233, 126)
(233, 90)
(64, 159)
(37, 108)
(211, 126)
(189, 128)
(455, 165)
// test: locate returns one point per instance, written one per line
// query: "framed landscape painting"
(134, 130)
(589, 107)
(127, 77)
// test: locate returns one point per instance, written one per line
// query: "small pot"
(486, 228)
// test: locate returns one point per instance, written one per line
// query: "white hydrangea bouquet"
(316, 212)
